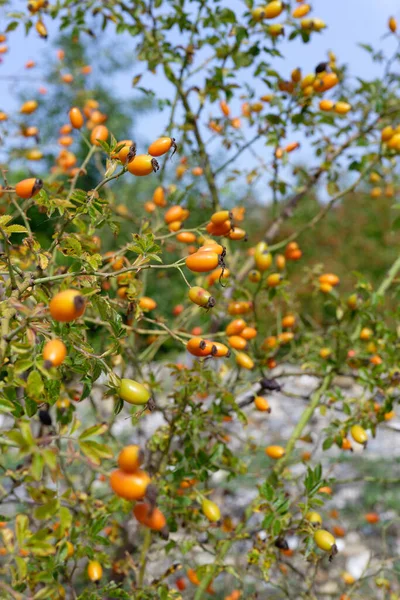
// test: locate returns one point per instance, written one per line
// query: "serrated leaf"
(16, 229)
(4, 220)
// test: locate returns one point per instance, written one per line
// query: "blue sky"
(349, 22)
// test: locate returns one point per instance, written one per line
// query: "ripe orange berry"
(262, 404)
(192, 576)
(149, 206)
(54, 353)
(161, 146)
(237, 233)
(200, 347)
(197, 171)
(224, 108)
(387, 133)
(237, 342)
(254, 276)
(326, 105)
(175, 225)
(392, 24)
(292, 146)
(244, 361)
(221, 229)
(122, 154)
(280, 262)
(211, 246)
(174, 213)
(131, 486)
(272, 9)
(76, 118)
(196, 331)
(186, 237)
(288, 321)
(151, 517)
(372, 518)
(147, 303)
(274, 280)
(67, 78)
(27, 188)
(159, 197)
(269, 342)
(202, 262)
(342, 108)
(235, 327)
(220, 217)
(130, 458)
(339, 531)
(248, 333)
(67, 306)
(366, 333)
(275, 452)
(100, 132)
(29, 107)
(329, 80)
(329, 278)
(65, 140)
(301, 11)
(143, 164)
(220, 350)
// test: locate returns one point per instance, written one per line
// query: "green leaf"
(37, 467)
(118, 406)
(35, 386)
(12, 26)
(22, 567)
(267, 491)
(21, 528)
(50, 459)
(39, 548)
(46, 511)
(5, 405)
(94, 430)
(95, 452)
(65, 518)
(16, 229)
(26, 432)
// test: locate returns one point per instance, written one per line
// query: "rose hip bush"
(119, 403)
